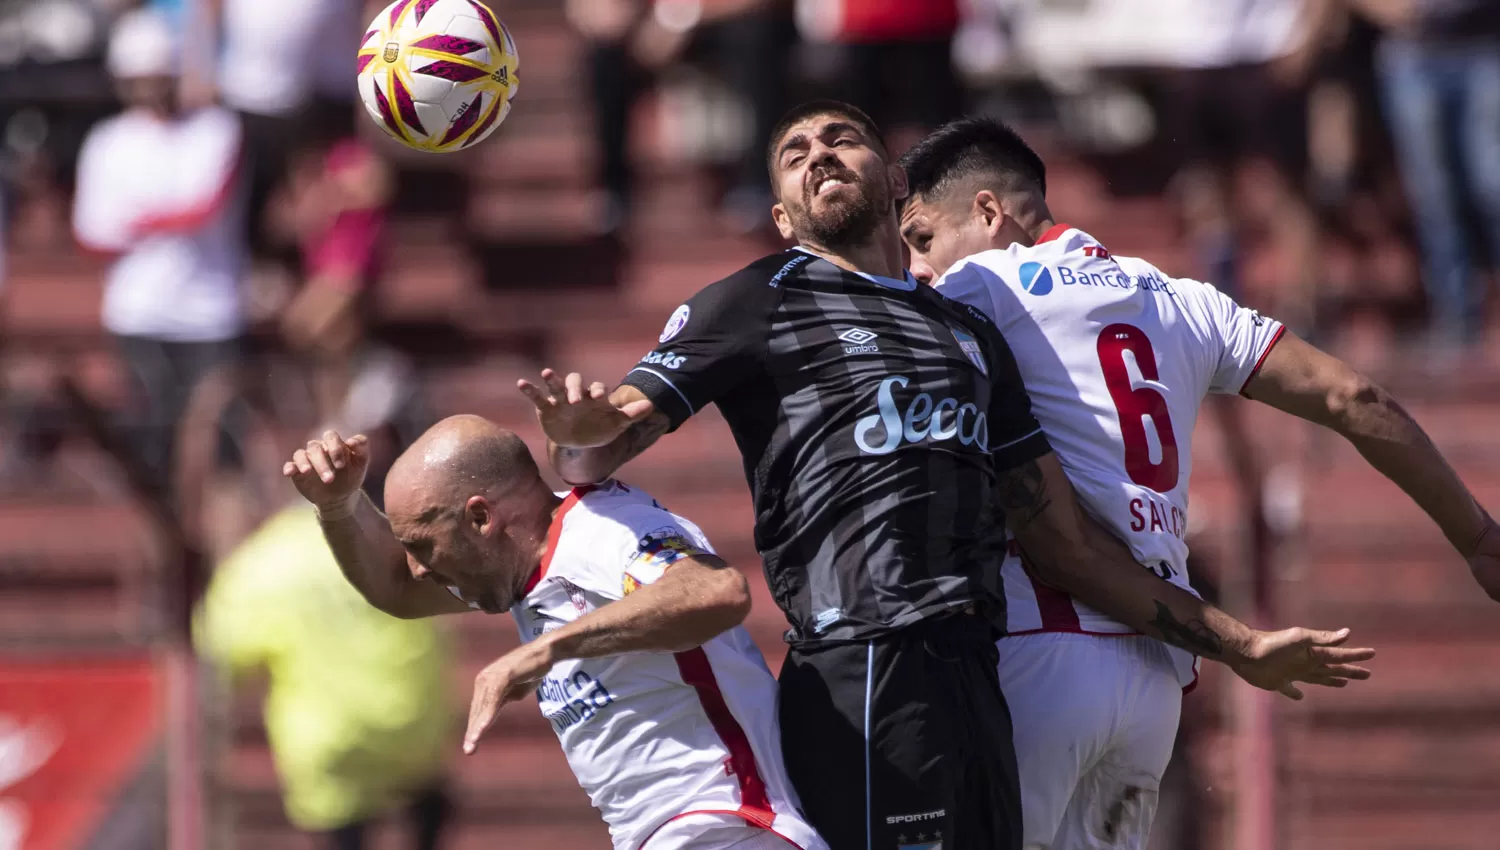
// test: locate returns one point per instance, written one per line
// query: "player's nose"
(418, 570)
(922, 271)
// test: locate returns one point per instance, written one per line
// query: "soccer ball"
(438, 75)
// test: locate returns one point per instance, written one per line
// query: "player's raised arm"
(590, 431)
(695, 600)
(1297, 378)
(328, 473)
(1066, 549)
(708, 348)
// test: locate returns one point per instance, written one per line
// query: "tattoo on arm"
(1194, 636)
(639, 437)
(1023, 494)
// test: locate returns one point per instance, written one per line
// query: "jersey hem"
(1275, 338)
(1186, 689)
(746, 817)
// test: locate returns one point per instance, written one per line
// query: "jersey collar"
(1054, 232)
(554, 532)
(909, 284)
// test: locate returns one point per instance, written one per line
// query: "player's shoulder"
(614, 508)
(766, 274)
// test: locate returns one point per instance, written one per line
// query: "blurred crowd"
(210, 151)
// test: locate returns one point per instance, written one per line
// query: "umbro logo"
(859, 341)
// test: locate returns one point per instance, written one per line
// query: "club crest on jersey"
(971, 349)
(675, 323)
(657, 551)
(920, 842)
(1036, 279)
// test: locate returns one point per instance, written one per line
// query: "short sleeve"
(970, 284)
(1243, 338)
(635, 547)
(1015, 434)
(709, 346)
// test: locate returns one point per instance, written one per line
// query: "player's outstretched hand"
(515, 676)
(329, 471)
(1485, 562)
(1277, 660)
(580, 417)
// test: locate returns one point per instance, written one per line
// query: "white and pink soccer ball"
(438, 75)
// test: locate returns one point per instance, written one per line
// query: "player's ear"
(989, 210)
(479, 514)
(783, 221)
(899, 187)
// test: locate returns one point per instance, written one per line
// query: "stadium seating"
(1406, 760)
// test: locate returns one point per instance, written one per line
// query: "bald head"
(460, 457)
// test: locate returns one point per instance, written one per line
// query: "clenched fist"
(330, 471)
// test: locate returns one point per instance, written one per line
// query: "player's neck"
(878, 255)
(541, 524)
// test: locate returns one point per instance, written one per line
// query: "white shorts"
(714, 831)
(1094, 719)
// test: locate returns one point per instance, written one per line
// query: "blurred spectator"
(892, 58)
(1236, 95)
(1439, 68)
(333, 207)
(355, 708)
(158, 188)
(285, 64)
(630, 41)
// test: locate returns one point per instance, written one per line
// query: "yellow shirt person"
(357, 707)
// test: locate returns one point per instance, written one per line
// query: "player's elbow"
(1347, 396)
(728, 597)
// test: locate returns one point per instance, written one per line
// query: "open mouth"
(829, 182)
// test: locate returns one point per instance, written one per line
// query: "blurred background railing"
(1334, 162)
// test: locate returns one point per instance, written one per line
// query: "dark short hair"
(971, 146)
(811, 108)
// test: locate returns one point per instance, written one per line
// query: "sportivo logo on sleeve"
(675, 323)
(654, 553)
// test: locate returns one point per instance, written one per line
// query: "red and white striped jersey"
(689, 738)
(1117, 358)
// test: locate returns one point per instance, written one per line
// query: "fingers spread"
(573, 385)
(1340, 655)
(554, 383)
(535, 393)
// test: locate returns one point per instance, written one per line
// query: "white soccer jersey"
(688, 739)
(1117, 357)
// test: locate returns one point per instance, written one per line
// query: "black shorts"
(903, 741)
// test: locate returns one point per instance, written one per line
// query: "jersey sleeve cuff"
(667, 397)
(1275, 338)
(1023, 449)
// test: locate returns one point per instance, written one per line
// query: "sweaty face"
(450, 554)
(832, 182)
(941, 232)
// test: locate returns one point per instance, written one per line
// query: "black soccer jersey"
(871, 415)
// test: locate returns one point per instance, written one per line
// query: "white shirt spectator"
(1157, 33)
(278, 53)
(163, 195)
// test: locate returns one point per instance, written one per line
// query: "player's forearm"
(1101, 572)
(579, 466)
(689, 606)
(1069, 551)
(1392, 441)
(360, 537)
(587, 466)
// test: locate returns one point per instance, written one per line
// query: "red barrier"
(71, 733)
